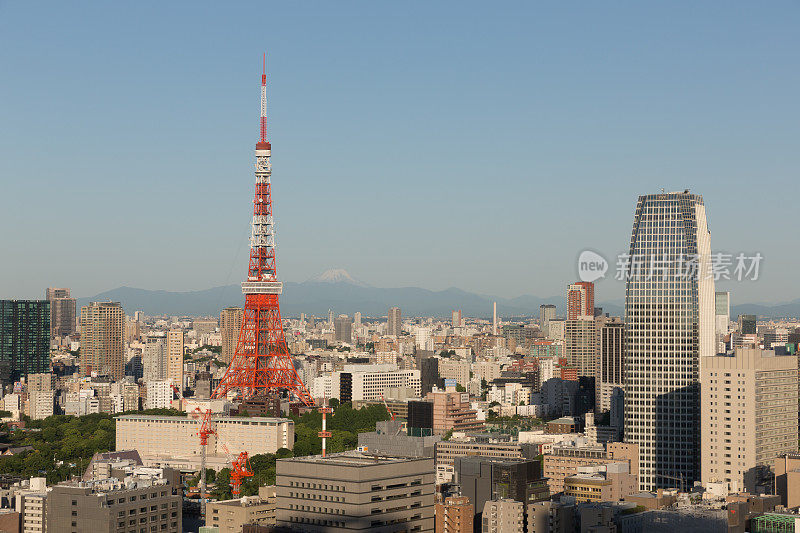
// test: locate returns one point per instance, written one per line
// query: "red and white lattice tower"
(262, 364)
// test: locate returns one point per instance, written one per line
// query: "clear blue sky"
(477, 145)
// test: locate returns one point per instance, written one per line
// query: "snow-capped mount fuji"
(337, 275)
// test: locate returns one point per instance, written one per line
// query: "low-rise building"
(454, 515)
(564, 460)
(604, 483)
(503, 516)
(230, 515)
(145, 498)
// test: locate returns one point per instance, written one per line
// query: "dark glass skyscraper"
(669, 329)
(24, 338)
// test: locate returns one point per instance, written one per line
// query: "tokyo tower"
(262, 365)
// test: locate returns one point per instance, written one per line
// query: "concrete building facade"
(102, 339)
(749, 412)
(354, 491)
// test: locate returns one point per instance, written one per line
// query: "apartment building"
(231, 515)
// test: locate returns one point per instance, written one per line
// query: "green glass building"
(24, 338)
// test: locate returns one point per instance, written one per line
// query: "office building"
(343, 329)
(483, 479)
(564, 461)
(747, 324)
(231, 515)
(503, 516)
(556, 329)
(389, 438)
(456, 370)
(610, 482)
(24, 338)
(669, 328)
(610, 358)
(102, 339)
(369, 382)
(454, 515)
(580, 345)
(547, 312)
(172, 440)
(230, 322)
(143, 499)
(394, 322)
(749, 413)
(722, 312)
(62, 312)
(580, 300)
(456, 320)
(354, 491)
(173, 353)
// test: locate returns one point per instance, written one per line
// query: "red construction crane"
(262, 362)
(204, 433)
(387, 406)
(240, 470)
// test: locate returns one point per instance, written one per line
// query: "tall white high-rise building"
(394, 322)
(154, 358)
(669, 330)
(547, 312)
(174, 349)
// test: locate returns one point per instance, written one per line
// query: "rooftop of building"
(353, 458)
(215, 418)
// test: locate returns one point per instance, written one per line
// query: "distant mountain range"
(337, 290)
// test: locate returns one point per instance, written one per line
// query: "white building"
(370, 381)
(159, 394)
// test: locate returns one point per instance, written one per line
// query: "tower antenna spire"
(264, 101)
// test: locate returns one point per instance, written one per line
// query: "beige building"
(550, 516)
(172, 440)
(749, 414)
(605, 483)
(787, 479)
(230, 515)
(40, 396)
(452, 411)
(102, 339)
(230, 322)
(503, 516)
(174, 354)
(146, 500)
(354, 491)
(564, 461)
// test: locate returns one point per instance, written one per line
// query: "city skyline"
(663, 105)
